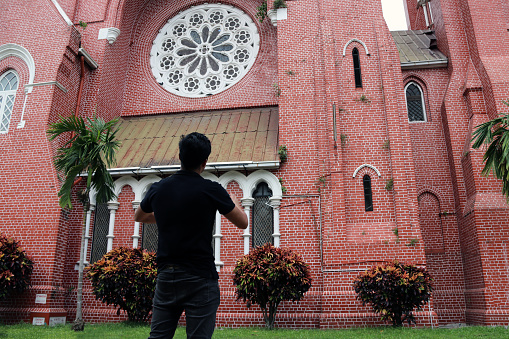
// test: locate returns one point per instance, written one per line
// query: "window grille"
(8, 87)
(263, 216)
(357, 68)
(415, 103)
(149, 237)
(368, 193)
(101, 227)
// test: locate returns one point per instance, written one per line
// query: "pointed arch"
(238, 177)
(143, 186)
(262, 175)
(415, 102)
(123, 181)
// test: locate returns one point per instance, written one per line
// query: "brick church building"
(375, 126)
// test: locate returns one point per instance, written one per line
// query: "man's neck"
(198, 170)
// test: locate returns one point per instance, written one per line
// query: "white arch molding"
(246, 183)
(21, 52)
(356, 40)
(423, 103)
(366, 165)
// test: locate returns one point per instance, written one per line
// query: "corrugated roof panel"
(236, 136)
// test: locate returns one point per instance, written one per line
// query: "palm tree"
(91, 150)
(495, 134)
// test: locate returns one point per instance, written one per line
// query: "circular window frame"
(204, 50)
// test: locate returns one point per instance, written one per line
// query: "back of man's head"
(194, 150)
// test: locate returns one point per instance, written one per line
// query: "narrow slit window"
(415, 103)
(368, 193)
(357, 68)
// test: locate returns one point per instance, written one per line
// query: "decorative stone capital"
(113, 206)
(247, 202)
(136, 204)
(275, 202)
(272, 15)
(110, 34)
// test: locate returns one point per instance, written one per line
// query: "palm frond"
(91, 149)
(494, 135)
(65, 190)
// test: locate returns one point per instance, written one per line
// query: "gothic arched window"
(357, 68)
(415, 102)
(8, 87)
(263, 216)
(368, 193)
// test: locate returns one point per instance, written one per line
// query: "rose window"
(204, 50)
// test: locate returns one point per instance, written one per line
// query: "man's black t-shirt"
(185, 206)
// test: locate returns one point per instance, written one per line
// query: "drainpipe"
(78, 102)
(82, 80)
(84, 58)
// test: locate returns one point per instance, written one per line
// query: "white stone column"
(217, 243)
(136, 235)
(113, 207)
(275, 203)
(87, 231)
(247, 203)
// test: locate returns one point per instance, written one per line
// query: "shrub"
(269, 275)
(125, 278)
(15, 267)
(394, 290)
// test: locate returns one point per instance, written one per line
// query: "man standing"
(184, 207)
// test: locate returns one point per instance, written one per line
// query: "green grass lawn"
(125, 330)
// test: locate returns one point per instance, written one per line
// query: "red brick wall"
(438, 197)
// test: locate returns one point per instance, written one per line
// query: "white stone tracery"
(204, 50)
(246, 183)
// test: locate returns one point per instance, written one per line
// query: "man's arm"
(142, 216)
(237, 216)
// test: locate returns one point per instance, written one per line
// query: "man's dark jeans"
(177, 291)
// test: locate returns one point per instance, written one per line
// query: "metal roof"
(241, 138)
(418, 49)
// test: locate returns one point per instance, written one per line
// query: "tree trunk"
(269, 316)
(397, 321)
(79, 324)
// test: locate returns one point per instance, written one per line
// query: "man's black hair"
(194, 150)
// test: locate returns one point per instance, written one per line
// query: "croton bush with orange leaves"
(15, 267)
(126, 278)
(394, 290)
